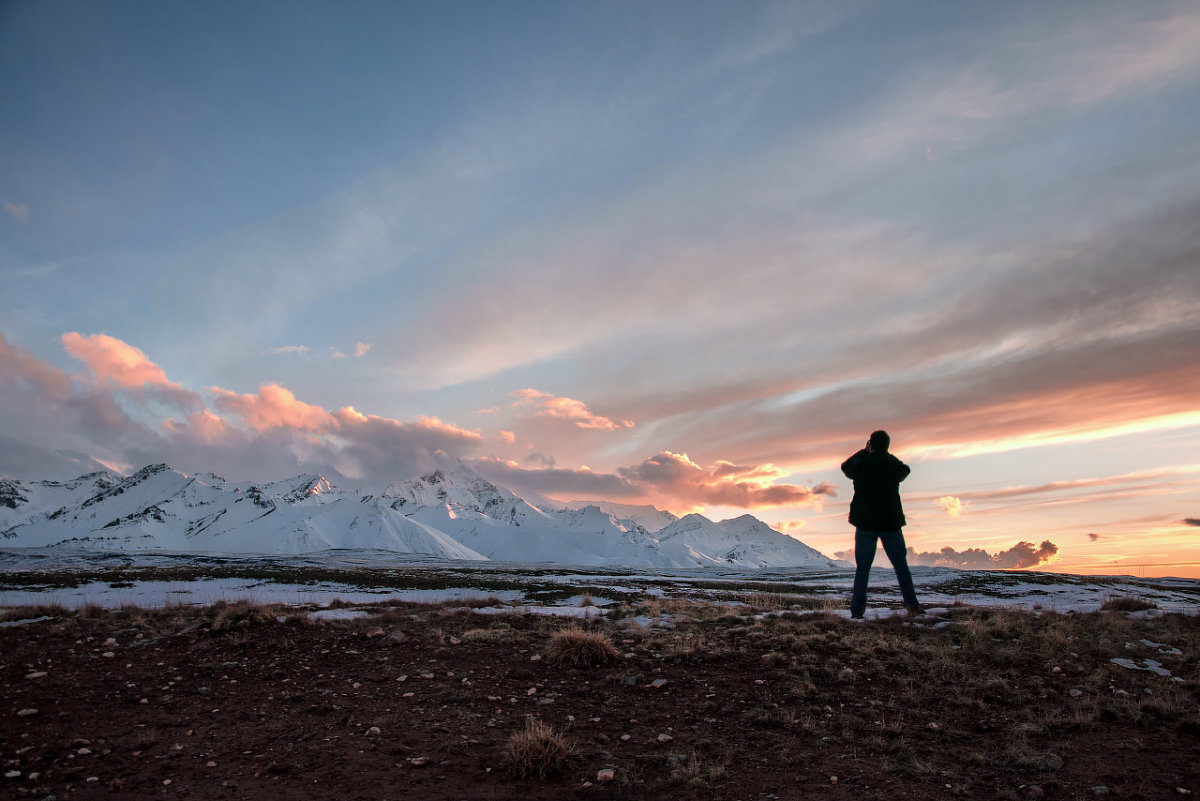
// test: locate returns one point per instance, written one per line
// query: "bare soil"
(235, 702)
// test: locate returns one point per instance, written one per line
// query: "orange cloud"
(114, 361)
(676, 476)
(951, 505)
(508, 437)
(273, 406)
(202, 425)
(568, 409)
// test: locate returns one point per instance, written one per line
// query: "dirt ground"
(421, 703)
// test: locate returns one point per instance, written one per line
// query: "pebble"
(13, 774)
(374, 730)
(108, 654)
(1101, 790)
(418, 761)
(665, 738)
(36, 675)
(26, 713)
(375, 632)
(606, 775)
(1076, 693)
(531, 691)
(657, 683)
(833, 779)
(210, 764)
(626, 738)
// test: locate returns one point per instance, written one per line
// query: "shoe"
(856, 617)
(915, 611)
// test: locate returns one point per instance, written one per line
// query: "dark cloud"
(1093, 536)
(1191, 521)
(556, 480)
(540, 460)
(1023, 554)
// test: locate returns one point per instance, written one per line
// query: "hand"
(868, 447)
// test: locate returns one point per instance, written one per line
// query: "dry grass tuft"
(581, 648)
(1125, 603)
(240, 614)
(537, 751)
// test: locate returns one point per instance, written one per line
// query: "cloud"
(1093, 536)
(337, 354)
(1191, 521)
(677, 478)
(114, 361)
(951, 505)
(541, 460)
(271, 407)
(567, 409)
(790, 525)
(360, 349)
(297, 349)
(18, 365)
(508, 437)
(1023, 554)
(18, 211)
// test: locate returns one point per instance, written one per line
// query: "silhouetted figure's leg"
(897, 553)
(864, 555)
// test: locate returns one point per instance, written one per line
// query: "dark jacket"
(876, 503)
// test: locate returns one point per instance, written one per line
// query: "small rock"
(630, 681)
(210, 764)
(665, 738)
(26, 713)
(166, 782)
(833, 779)
(1056, 669)
(657, 683)
(417, 762)
(759, 681)
(626, 738)
(36, 675)
(531, 691)
(396, 636)
(108, 654)
(535, 658)
(110, 642)
(376, 632)
(606, 775)
(455, 641)
(427, 675)
(1076, 693)
(12, 774)
(1101, 790)
(374, 730)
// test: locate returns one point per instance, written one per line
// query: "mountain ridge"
(450, 513)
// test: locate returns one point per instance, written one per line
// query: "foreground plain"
(242, 701)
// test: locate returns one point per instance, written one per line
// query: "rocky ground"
(418, 702)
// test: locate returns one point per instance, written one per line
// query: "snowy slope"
(743, 541)
(451, 513)
(158, 508)
(630, 514)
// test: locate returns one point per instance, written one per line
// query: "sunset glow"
(703, 251)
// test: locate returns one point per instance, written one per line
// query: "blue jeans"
(864, 554)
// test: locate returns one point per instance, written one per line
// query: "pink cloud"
(361, 348)
(508, 437)
(681, 480)
(114, 361)
(19, 365)
(567, 409)
(272, 406)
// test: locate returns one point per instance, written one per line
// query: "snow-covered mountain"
(452, 514)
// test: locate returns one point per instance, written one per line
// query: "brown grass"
(581, 648)
(1124, 603)
(537, 751)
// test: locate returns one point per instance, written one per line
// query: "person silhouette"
(877, 516)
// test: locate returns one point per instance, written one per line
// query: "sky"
(686, 254)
